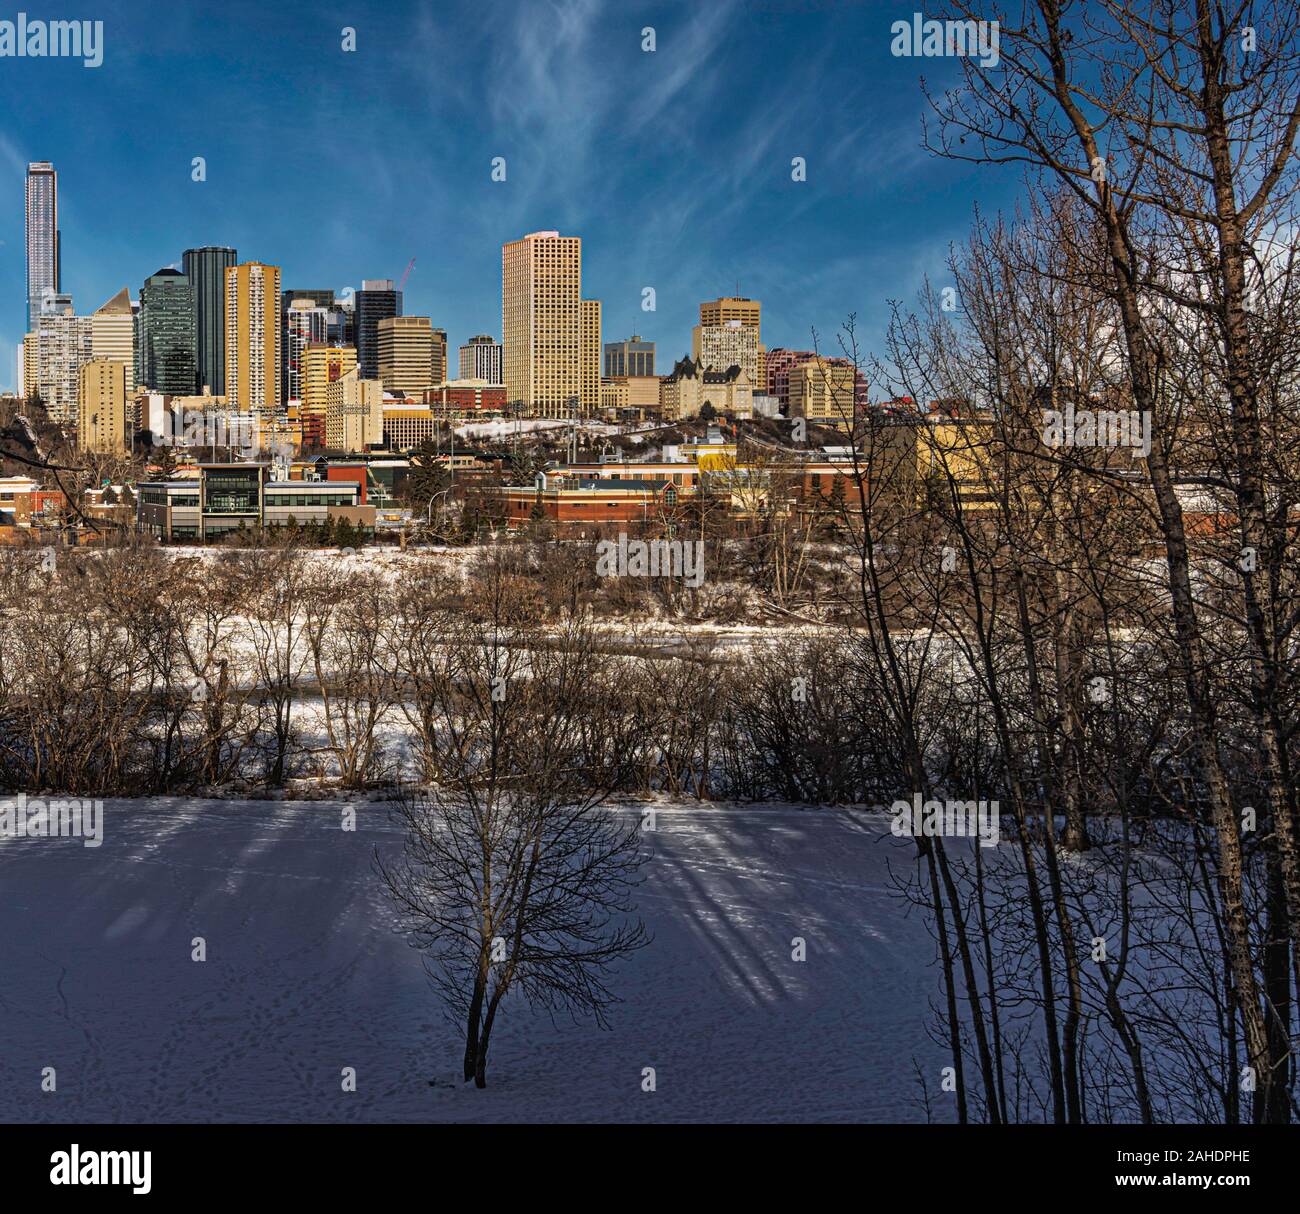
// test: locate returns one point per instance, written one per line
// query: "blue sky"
(673, 166)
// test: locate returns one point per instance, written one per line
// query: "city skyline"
(670, 188)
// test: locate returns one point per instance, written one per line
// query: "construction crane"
(401, 286)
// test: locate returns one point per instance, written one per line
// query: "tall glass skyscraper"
(205, 269)
(166, 334)
(377, 300)
(43, 253)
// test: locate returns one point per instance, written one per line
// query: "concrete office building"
(480, 358)
(321, 366)
(730, 344)
(354, 412)
(725, 313)
(60, 346)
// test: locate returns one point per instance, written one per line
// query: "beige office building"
(733, 307)
(112, 334)
(253, 337)
(550, 335)
(102, 423)
(823, 392)
(354, 412)
(406, 426)
(640, 392)
(406, 352)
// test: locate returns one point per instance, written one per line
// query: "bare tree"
(514, 875)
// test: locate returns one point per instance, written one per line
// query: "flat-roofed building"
(480, 358)
(576, 506)
(632, 357)
(321, 366)
(550, 334)
(466, 398)
(63, 343)
(254, 338)
(733, 344)
(103, 423)
(227, 498)
(406, 353)
(824, 392)
(354, 412)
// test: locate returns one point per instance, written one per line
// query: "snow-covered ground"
(304, 977)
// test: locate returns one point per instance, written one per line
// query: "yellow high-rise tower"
(253, 351)
(547, 327)
(102, 423)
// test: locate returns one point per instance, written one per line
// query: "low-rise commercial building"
(233, 497)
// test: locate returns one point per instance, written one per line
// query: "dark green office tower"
(206, 270)
(166, 334)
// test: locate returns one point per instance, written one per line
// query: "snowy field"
(304, 977)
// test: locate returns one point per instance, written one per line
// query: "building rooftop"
(604, 485)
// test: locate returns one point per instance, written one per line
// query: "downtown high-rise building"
(322, 366)
(480, 358)
(589, 355)
(343, 323)
(440, 357)
(59, 346)
(377, 300)
(305, 322)
(167, 334)
(549, 332)
(730, 333)
(254, 342)
(44, 254)
(406, 354)
(206, 270)
(103, 418)
(721, 347)
(112, 335)
(733, 307)
(632, 357)
(339, 330)
(322, 297)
